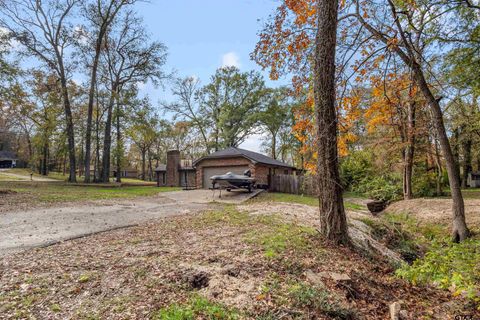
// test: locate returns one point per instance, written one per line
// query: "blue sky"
(201, 36)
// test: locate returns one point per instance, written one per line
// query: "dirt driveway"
(14, 176)
(21, 230)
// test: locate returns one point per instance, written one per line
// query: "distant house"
(8, 159)
(474, 180)
(126, 173)
(238, 160)
(176, 173)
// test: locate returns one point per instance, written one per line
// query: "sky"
(202, 36)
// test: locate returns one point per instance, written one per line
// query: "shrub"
(385, 188)
(196, 308)
(319, 299)
(454, 266)
(355, 168)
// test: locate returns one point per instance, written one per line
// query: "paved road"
(21, 230)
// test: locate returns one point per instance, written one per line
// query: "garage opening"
(212, 171)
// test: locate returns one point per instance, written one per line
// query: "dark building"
(8, 159)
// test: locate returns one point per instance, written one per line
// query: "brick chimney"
(173, 166)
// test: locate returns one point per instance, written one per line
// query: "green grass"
(50, 192)
(61, 177)
(196, 308)
(303, 199)
(453, 266)
(317, 298)
(277, 237)
(438, 261)
(4, 177)
(282, 237)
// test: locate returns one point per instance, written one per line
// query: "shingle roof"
(237, 152)
(8, 155)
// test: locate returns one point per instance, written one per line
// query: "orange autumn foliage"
(388, 100)
(284, 48)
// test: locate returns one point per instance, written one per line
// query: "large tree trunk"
(467, 161)
(333, 222)
(460, 231)
(107, 140)
(88, 134)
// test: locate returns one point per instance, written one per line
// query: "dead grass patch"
(143, 272)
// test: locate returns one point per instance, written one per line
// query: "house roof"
(253, 156)
(7, 155)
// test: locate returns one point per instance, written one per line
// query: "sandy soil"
(437, 210)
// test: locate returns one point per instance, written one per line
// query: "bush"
(382, 188)
(454, 266)
(355, 168)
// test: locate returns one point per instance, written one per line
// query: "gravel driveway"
(20, 230)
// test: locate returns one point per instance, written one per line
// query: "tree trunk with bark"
(409, 152)
(467, 161)
(144, 160)
(70, 131)
(333, 222)
(459, 231)
(119, 145)
(439, 170)
(88, 134)
(107, 140)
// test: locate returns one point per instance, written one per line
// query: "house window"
(164, 178)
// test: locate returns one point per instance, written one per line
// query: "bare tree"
(101, 14)
(186, 108)
(42, 28)
(333, 221)
(130, 58)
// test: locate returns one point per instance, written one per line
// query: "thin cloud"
(231, 59)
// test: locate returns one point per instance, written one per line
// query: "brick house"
(238, 160)
(176, 173)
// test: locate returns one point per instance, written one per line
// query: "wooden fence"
(293, 184)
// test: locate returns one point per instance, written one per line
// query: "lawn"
(306, 200)
(223, 264)
(4, 177)
(61, 177)
(38, 193)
